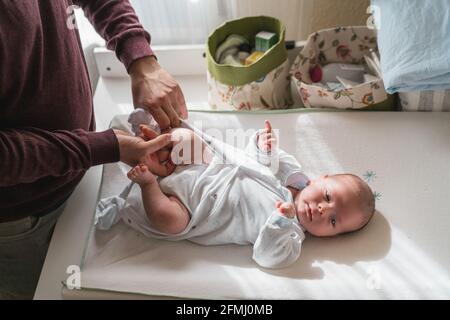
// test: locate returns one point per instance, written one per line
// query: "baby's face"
(329, 206)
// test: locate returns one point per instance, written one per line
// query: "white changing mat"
(402, 254)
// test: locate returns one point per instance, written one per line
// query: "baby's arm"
(166, 213)
(266, 139)
(279, 242)
(263, 146)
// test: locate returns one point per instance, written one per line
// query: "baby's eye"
(333, 222)
(327, 196)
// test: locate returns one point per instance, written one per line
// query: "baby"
(211, 202)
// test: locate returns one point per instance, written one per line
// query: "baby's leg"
(188, 148)
(166, 214)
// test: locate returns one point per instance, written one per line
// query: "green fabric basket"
(247, 27)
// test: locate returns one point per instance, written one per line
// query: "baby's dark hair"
(366, 197)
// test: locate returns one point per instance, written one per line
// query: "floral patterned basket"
(261, 85)
(344, 45)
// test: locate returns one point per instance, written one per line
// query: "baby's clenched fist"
(286, 209)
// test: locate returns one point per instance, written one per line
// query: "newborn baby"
(244, 200)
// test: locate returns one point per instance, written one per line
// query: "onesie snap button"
(215, 195)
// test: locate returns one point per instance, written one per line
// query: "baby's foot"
(141, 175)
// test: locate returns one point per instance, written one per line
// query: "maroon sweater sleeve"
(117, 23)
(46, 114)
(30, 154)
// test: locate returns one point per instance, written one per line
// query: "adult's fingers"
(171, 113)
(147, 133)
(181, 103)
(173, 97)
(160, 117)
(158, 143)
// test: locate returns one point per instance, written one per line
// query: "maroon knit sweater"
(47, 138)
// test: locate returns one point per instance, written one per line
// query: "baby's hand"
(266, 140)
(141, 175)
(286, 209)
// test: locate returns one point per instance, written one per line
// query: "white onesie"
(231, 202)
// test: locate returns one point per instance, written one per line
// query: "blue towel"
(414, 44)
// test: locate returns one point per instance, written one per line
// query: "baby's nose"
(321, 208)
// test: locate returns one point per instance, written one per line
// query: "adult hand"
(163, 154)
(155, 89)
(135, 150)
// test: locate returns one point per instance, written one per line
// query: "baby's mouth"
(308, 212)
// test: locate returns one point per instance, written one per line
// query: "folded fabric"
(233, 42)
(414, 44)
